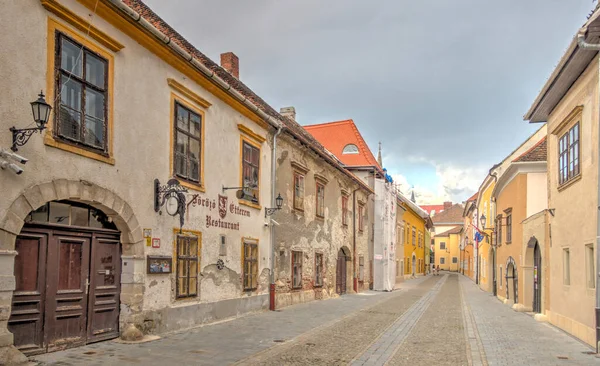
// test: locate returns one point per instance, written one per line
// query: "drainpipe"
(595, 47)
(271, 227)
(355, 279)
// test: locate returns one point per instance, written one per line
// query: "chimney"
(231, 63)
(288, 112)
(447, 205)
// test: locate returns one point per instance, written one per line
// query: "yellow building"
(467, 243)
(415, 223)
(484, 250)
(447, 249)
(486, 267)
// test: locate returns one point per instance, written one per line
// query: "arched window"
(350, 149)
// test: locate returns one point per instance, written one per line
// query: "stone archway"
(133, 274)
(512, 281)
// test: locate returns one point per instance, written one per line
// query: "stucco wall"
(411, 219)
(304, 231)
(141, 150)
(514, 197)
(574, 223)
(537, 193)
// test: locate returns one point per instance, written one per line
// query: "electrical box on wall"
(223, 245)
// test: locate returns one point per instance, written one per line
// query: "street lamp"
(278, 203)
(41, 113)
(482, 220)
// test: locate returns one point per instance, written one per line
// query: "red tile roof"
(451, 215)
(454, 230)
(336, 135)
(431, 208)
(537, 152)
(290, 126)
(473, 197)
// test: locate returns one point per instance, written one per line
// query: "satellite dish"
(239, 194)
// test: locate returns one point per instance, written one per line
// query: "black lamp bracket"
(172, 189)
(20, 136)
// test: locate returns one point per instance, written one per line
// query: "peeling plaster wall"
(304, 231)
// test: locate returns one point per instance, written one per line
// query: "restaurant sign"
(221, 206)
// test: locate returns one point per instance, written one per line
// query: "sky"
(442, 84)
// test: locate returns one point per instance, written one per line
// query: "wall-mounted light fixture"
(41, 113)
(278, 203)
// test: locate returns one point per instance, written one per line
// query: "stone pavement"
(226, 342)
(441, 320)
(513, 338)
(384, 347)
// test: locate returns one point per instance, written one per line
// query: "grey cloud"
(437, 79)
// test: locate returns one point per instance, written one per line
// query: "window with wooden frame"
(566, 266)
(251, 171)
(361, 268)
(187, 144)
(344, 210)
(318, 269)
(499, 229)
(414, 236)
(250, 258)
(508, 227)
(442, 245)
(320, 200)
(298, 191)
(361, 210)
(442, 260)
(568, 155)
(81, 79)
(296, 269)
(187, 266)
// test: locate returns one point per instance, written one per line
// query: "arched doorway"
(67, 275)
(414, 264)
(343, 258)
(537, 279)
(512, 281)
(123, 216)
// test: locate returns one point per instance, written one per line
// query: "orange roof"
(337, 135)
(474, 197)
(431, 208)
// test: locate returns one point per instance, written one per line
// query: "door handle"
(87, 285)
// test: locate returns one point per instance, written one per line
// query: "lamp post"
(41, 113)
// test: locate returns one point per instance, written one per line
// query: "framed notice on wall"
(159, 264)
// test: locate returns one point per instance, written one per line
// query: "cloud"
(444, 80)
(455, 183)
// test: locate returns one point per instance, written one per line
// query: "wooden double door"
(67, 288)
(340, 275)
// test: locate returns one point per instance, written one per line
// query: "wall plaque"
(158, 264)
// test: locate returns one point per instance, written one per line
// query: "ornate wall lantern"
(41, 113)
(278, 203)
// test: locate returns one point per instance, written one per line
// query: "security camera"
(14, 167)
(11, 155)
(275, 222)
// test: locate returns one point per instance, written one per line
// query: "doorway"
(414, 264)
(68, 275)
(340, 278)
(537, 279)
(512, 281)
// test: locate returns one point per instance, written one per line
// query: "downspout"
(271, 227)
(595, 47)
(355, 280)
(598, 242)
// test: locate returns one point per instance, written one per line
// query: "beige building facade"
(568, 103)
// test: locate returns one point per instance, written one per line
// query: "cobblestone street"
(443, 320)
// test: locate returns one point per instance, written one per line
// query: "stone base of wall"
(189, 316)
(298, 297)
(576, 329)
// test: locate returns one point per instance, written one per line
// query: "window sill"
(250, 204)
(49, 140)
(318, 286)
(299, 211)
(507, 243)
(569, 183)
(190, 185)
(320, 218)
